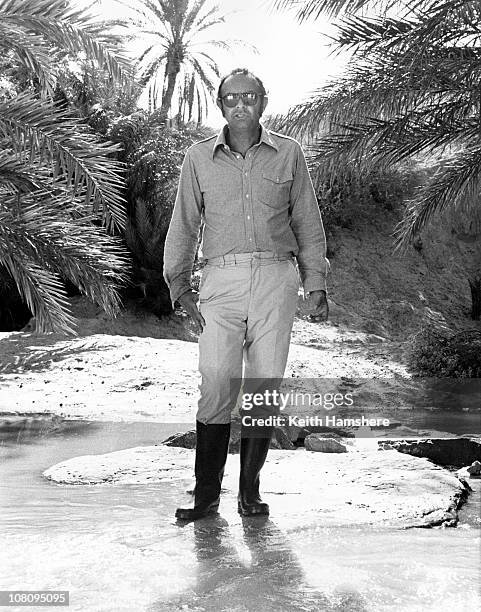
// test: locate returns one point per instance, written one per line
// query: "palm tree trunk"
(475, 286)
(172, 71)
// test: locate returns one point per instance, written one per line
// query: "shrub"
(351, 198)
(153, 155)
(436, 354)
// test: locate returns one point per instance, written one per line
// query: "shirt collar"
(266, 138)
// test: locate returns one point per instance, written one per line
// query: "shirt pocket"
(275, 188)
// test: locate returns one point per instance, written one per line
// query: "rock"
(280, 439)
(474, 469)
(322, 444)
(470, 471)
(362, 487)
(443, 451)
(182, 440)
(299, 434)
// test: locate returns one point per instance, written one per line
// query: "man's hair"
(245, 72)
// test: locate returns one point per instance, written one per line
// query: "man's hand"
(316, 306)
(188, 301)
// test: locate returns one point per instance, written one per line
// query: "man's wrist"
(314, 283)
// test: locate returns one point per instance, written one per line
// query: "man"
(250, 191)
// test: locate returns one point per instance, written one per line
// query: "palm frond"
(210, 63)
(203, 76)
(371, 32)
(313, 9)
(209, 24)
(376, 143)
(192, 15)
(201, 23)
(384, 87)
(14, 176)
(35, 127)
(42, 290)
(31, 52)
(150, 71)
(457, 184)
(64, 29)
(52, 244)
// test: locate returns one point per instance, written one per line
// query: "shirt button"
(248, 216)
(250, 239)
(247, 195)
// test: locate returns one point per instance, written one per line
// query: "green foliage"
(178, 62)
(41, 33)
(153, 155)
(349, 199)
(59, 184)
(93, 94)
(437, 354)
(411, 88)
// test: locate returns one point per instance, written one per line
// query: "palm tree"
(411, 89)
(58, 182)
(177, 54)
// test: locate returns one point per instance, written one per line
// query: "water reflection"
(256, 570)
(118, 549)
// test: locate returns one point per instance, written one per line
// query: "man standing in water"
(250, 190)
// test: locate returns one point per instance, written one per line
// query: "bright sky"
(292, 59)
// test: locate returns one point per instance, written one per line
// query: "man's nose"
(240, 102)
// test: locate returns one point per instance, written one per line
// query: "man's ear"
(265, 100)
(219, 105)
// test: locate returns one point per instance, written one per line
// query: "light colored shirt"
(264, 201)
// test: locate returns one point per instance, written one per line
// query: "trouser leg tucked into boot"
(253, 453)
(210, 458)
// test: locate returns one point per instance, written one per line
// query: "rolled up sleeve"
(306, 223)
(183, 232)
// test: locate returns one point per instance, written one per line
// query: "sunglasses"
(249, 98)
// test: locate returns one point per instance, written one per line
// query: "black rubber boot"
(253, 453)
(210, 458)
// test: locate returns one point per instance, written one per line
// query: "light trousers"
(248, 302)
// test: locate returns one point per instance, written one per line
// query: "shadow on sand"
(37, 353)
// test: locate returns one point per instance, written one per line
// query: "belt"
(242, 257)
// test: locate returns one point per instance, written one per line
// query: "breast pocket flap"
(278, 177)
(276, 187)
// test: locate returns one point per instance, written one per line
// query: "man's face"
(242, 116)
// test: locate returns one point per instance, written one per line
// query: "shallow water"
(117, 548)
